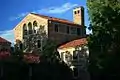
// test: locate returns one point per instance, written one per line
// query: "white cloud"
(58, 9)
(50, 10)
(18, 16)
(8, 35)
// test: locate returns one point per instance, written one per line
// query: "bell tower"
(78, 15)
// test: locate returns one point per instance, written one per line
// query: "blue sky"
(13, 11)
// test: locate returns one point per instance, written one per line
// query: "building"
(59, 30)
(4, 44)
(75, 54)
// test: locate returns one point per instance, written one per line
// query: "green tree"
(49, 51)
(104, 41)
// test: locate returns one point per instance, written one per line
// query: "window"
(78, 11)
(56, 28)
(68, 58)
(34, 31)
(35, 25)
(38, 44)
(73, 30)
(62, 57)
(30, 27)
(78, 31)
(75, 54)
(75, 12)
(67, 29)
(24, 29)
(76, 72)
(21, 46)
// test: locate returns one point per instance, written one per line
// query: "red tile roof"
(57, 19)
(2, 40)
(74, 43)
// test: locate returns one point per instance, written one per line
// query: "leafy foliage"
(105, 39)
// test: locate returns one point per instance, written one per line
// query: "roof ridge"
(49, 16)
(56, 19)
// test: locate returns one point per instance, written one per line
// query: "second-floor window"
(56, 27)
(67, 30)
(30, 27)
(78, 31)
(73, 30)
(34, 26)
(24, 29)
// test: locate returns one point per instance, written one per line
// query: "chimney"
(78, 15)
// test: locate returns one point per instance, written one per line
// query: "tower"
(78, 15)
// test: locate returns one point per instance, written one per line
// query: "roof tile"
(74, 43)
(57, 19)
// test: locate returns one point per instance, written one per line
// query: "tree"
(33, 42)
(105, 39)
(50, 52)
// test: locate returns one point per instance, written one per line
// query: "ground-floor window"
(38, 44)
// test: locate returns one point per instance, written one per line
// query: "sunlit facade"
(75, 54)
(59, 30)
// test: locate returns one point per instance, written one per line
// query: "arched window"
(30, 27)
(24, 30)
(35, 25)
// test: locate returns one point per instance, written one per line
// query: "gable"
(31, 18)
